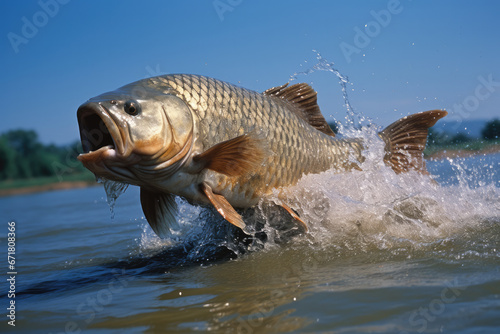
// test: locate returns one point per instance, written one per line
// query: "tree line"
(23, 156)
(491, 131)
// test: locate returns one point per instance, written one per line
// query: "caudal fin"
(405, 140)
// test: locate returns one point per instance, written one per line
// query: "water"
(385, 253)
(113, 190)
(354, 119)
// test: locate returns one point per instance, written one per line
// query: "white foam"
(378, 208)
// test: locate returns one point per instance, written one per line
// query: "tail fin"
(405, 140)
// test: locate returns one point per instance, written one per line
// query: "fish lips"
(100, 135)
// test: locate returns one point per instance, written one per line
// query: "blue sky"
(401, 56)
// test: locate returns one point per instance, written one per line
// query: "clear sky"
(401, 56)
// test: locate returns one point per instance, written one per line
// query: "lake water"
(385, 253)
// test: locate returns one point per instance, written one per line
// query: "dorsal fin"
(304, 98)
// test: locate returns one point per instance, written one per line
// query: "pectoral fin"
(160, 210)
(234, 157)
(295, 216)
(223, 207)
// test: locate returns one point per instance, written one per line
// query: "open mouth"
(98, 131)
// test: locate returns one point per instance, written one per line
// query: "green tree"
(460, 138)
(491, 130)
(436, 137)
(334, 127)
(8, 168)
(24, 142)
(23, 156)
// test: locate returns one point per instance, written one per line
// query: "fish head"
(134, 132)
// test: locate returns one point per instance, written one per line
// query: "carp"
(217, 144)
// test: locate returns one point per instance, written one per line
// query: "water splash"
(372, 212)
(376, 210)
(113, 190)
(360, 212)
(354, 120)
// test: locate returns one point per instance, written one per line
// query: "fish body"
(215, 143)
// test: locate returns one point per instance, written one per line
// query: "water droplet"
(113, 190)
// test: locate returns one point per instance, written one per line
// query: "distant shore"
(50, 183)
(51, 186)
(46, 187)
(461, 153)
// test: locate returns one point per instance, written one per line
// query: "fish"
(217, 144)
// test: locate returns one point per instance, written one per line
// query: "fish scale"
(216, 143)
(294, 140)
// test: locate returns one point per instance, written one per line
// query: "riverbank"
(461, 150)
(22, 187)
(47, 187)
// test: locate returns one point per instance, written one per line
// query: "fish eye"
(132, 108)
